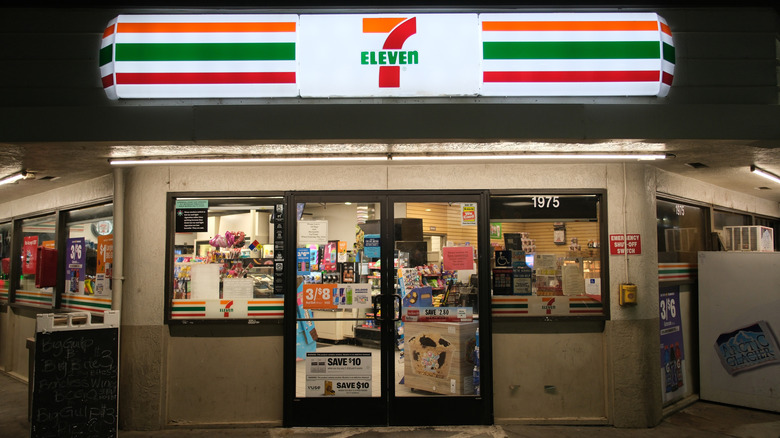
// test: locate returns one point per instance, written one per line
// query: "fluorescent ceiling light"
(14, 178)
(765, 174)
(524, 157)
(244, 160)
(388, 157)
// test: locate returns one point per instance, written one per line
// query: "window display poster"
(330, 256)
(458, 258)
(496, 231)
(672, 358)
(205, 281)
(468, 213)
(75, 265)
(371, 246)
(343, 256)
(312, 232)
(303, 260)
(29, 255)
(338, 374)
(192, 215)
(105, 264)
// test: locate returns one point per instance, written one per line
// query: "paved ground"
(700, 420)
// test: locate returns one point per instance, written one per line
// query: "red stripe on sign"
(181, 315)
(90, 309)
(205, 78)
(571, 76)
(108, 81)
(667, 79)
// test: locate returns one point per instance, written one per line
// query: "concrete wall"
(197, 364)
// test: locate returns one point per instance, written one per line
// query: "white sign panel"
(312, 232)
(386, 55)
(389, 55)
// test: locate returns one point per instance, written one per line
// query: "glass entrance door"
(386, 321)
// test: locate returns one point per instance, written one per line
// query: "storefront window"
(89, 259)
(226, 258)
(681, 232)
(5, 260)
(39, 262)
(546, 255)
(774, 224)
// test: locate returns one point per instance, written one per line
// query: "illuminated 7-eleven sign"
(386, 55)
(389, 55)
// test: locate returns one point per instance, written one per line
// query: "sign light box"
(387, 55)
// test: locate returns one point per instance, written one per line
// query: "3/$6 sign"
(394, 55)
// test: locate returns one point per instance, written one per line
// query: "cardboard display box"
(438, 356)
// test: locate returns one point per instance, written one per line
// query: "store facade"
(219, 292)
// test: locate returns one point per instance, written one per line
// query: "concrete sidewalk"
(702, 419)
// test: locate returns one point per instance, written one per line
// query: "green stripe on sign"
(87, 304)
(206, 52)
(669, 53)
(571, 50)
(188, 309)
(105, 54)
(265, 308)
(510, 306)
(33, 298)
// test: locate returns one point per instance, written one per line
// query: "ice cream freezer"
(739, 319)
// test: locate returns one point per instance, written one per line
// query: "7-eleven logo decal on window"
(389, 55)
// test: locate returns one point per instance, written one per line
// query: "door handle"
(376, 301)
(397, 316)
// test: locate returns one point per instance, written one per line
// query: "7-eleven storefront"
(370, 278)
(365, 207)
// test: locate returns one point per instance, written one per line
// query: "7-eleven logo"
(226, 307)
(391, 57)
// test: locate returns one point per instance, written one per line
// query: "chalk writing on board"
(75, 384)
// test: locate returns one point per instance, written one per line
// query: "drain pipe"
(119, 234)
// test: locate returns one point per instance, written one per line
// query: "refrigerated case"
(739, 319)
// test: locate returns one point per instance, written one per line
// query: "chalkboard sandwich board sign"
(76, 376)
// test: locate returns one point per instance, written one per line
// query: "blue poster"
(75, 267)
(371, 248)
(671, 339)
(303, 260)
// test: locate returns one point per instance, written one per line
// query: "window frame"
(170, 233)
(60, 214)
(603, 222)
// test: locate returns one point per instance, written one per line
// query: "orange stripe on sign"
(108, 32)
(380, 25)
(205, 27)
(666, 29)
(496, 26)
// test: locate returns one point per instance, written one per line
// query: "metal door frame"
(387, 409)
